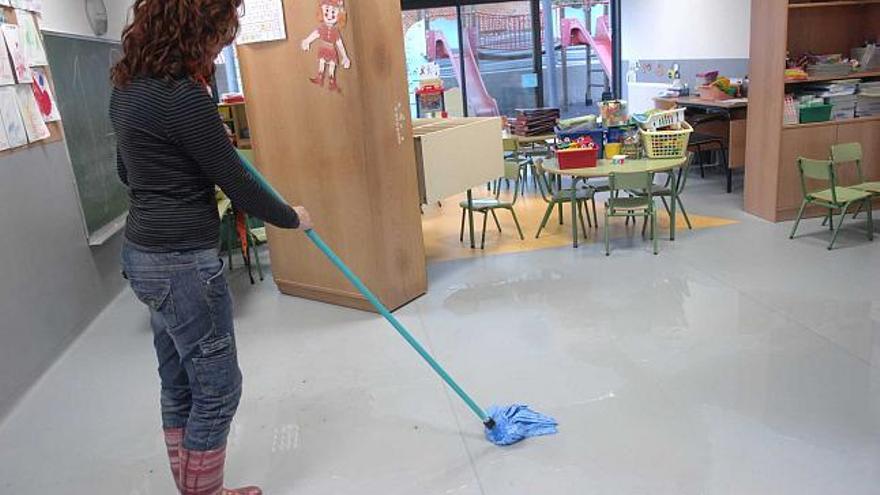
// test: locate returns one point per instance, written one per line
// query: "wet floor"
(735, 362)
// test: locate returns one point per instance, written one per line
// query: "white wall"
(69, 16)
(685, 29)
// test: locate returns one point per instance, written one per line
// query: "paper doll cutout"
(331, 49)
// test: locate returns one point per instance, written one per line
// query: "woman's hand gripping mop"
(504, 425)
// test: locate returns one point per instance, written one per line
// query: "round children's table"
(605, 168)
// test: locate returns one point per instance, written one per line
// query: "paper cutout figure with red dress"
(331, 49)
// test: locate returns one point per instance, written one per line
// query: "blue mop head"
(511, 424)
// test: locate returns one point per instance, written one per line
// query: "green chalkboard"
(81, 73)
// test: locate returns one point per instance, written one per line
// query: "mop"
(504, 425)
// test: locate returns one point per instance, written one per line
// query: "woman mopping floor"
(173, 149)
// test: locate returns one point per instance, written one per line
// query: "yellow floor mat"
(441, 228)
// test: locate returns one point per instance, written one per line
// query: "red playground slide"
(574, 33)
(480, 102)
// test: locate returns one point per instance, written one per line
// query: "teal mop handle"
(396, 324)
(368, 294)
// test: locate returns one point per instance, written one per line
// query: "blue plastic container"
(616, 134)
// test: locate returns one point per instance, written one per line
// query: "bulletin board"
(55, 133)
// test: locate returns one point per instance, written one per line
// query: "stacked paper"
(840, 94)
(536, 121)
(824, 71)
(868, 104)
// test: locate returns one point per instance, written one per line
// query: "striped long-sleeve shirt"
(172, 150)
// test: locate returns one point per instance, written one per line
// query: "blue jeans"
(191, 315)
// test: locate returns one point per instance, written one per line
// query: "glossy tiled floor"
(736, 362)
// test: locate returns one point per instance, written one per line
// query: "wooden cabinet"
(867, 133)
(347, 154)
(811, 142)
(779, 27)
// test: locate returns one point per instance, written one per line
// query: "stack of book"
(828, 66)
(868, 104)
(536, 121)
(825, 71)
(840, 94)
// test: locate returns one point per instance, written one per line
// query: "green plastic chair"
(852, 153)
(558, 197)
(512, 153)
(488, 206)
(832, 198)
(666, 190)
(638, 205)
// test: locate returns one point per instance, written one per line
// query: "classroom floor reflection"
(719, 366)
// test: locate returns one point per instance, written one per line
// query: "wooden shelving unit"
(841, 3)
(853, 75)
(780, 27)
(857, 121)
(348, 155)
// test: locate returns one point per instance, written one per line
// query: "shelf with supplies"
(830, 32)
(857, 120)
(853, 75)
(839, 3)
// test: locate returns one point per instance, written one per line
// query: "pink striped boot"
(201, 473)
(173, 439)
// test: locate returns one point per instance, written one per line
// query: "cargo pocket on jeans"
(217, 296)
(156, 293)
(215, 280)
(217, 368)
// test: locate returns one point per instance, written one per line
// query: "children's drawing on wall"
(43, 96)
(7, 76)
(31, 42)
(34, 125)
(13, 44)
(331, 49)
(12, 123)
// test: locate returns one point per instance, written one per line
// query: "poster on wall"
(44, 97)
(261, 21)
(4, 139)
(34, 126)
(31, 5)
(7, 75)
(327, 36)
(31, 41)
(9, 114)
(13, 45)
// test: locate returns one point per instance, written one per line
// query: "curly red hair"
(341, 20)
(170, 39)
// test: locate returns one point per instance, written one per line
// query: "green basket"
(818, 113)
